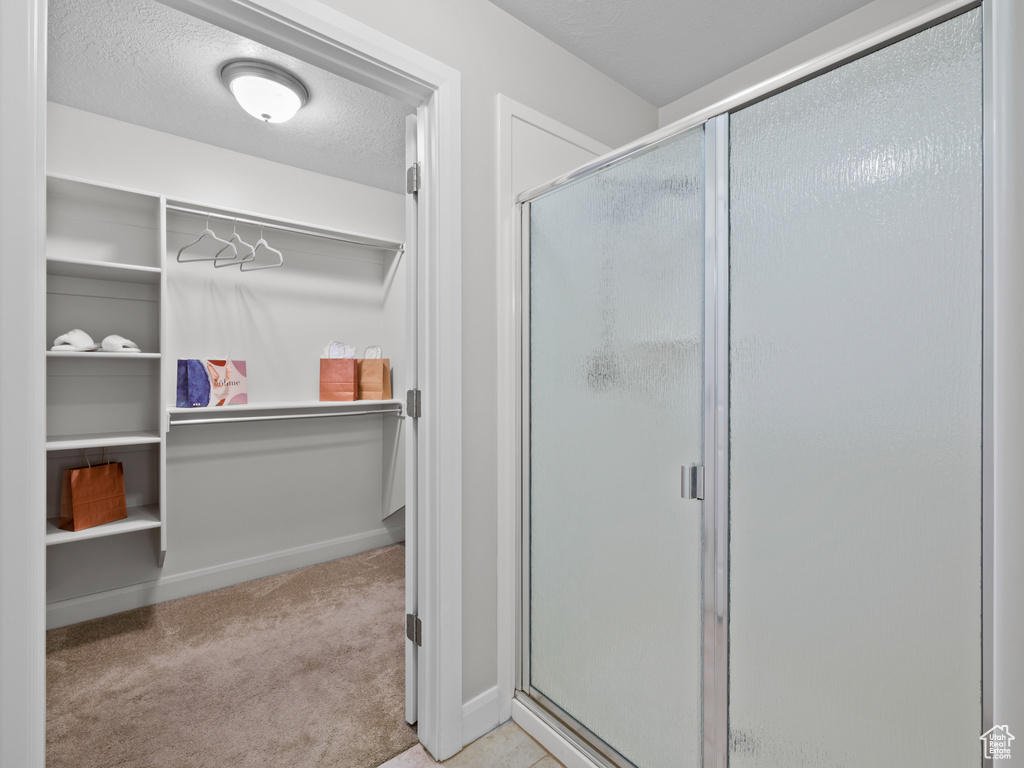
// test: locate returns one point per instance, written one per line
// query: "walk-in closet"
(110, 275)
(180, 228)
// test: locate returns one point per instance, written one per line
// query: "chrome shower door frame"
(715, 512)
(716, 442)
(714, 509)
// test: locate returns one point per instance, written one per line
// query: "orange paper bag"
(91, 496)
(375, 379)
(339, 379)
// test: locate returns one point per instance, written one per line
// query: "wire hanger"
(252, 257)
(207, 233)
(236, 240)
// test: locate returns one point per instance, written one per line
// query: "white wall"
(96, 148)
(862, 22)
(495, 54)
(1007, 185)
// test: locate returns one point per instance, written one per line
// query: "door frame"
(1002, 577)
(309, 30)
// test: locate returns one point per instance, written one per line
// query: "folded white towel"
(115, 343)
(75, 340)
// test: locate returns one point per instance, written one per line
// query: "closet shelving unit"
(204, 215)
(104, 267)
(106, 262)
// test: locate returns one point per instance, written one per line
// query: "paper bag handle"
(103, 457)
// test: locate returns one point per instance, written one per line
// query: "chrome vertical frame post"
(523, 598)
(716, 442)
(988, 372)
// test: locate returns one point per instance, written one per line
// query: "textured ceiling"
(665, 49)
(144, 63)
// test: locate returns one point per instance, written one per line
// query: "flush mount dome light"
(265, 91)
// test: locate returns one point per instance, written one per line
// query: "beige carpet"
(303, 670)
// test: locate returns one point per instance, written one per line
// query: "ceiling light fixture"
(264, 90)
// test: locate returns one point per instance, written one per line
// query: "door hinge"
(414, 628)
(693, 482)
(412, 403)
(412, 179)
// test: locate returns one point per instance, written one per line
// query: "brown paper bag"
(339, 379)
(92, 495)
(375, 379)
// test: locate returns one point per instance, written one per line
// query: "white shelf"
(106, 355)
(139, 519)
(103, 270)
(100, 440)
(308, 405)
(105, 253)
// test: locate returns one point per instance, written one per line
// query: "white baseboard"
(87, 607)
(481, 715)
(550, 739)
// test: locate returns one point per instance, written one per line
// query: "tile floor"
(507, 746)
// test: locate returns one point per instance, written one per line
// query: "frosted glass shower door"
(855, 413)
(616, 305)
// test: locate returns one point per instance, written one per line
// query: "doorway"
(340, 45)
(145, 191)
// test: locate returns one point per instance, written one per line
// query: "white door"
(614, 408)
(412, 476)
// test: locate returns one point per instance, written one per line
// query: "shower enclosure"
(752, 428)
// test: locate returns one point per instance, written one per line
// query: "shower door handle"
(693, 482)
